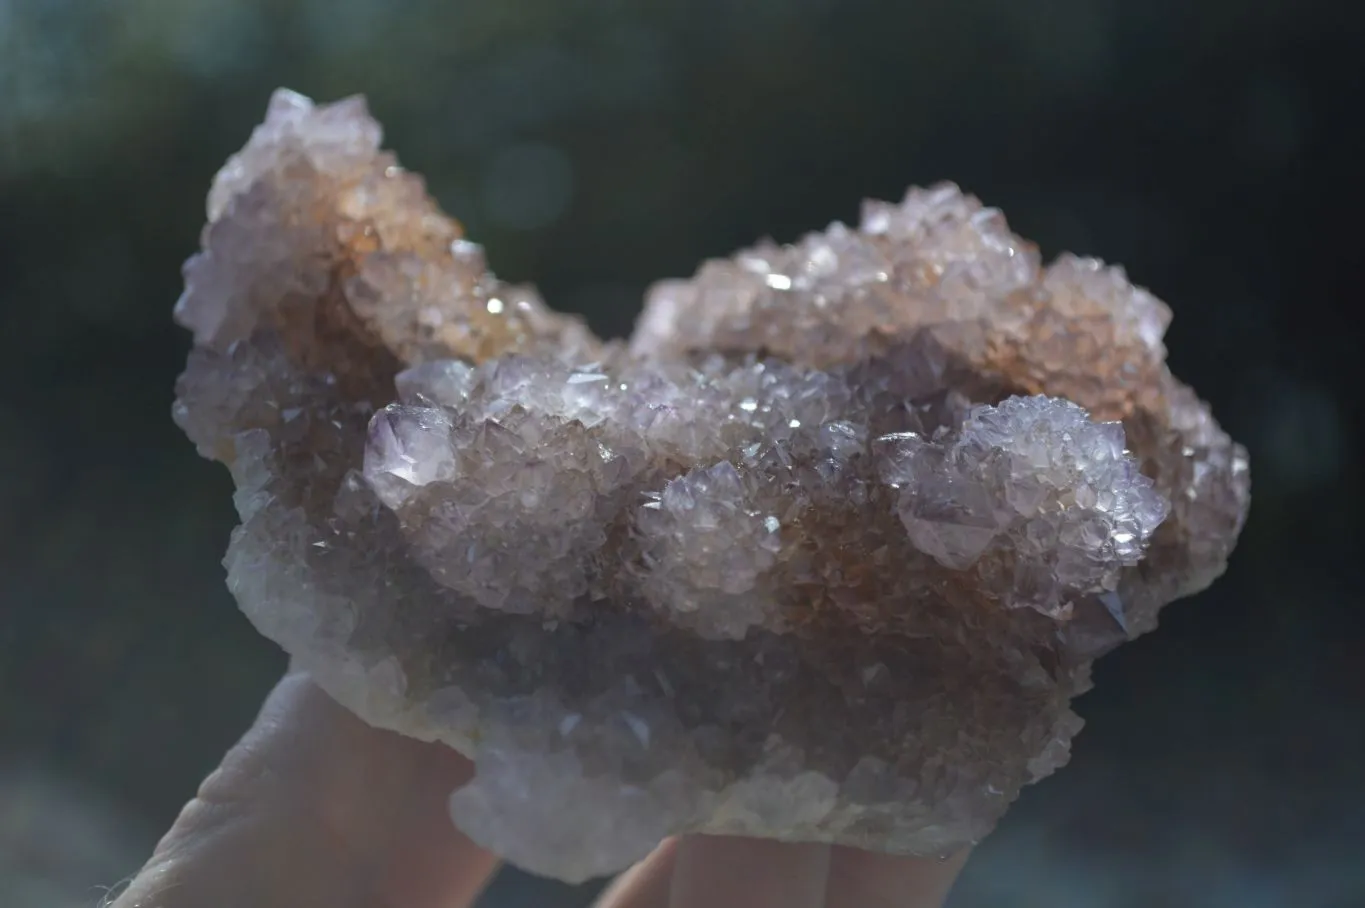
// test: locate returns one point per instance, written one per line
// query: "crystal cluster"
(823, 553)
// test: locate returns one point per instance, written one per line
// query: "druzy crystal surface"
(823, 553)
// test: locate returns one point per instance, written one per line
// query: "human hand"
(315, 808)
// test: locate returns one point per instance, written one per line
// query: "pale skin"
(314, 808)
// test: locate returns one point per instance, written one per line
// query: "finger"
(380, 796)
(733, 872)
(314, 807)
(647, 884)
(862, 879)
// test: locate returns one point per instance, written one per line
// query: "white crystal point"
(409, 447)
(709, 543)
(1057, 496)
(1078, 284)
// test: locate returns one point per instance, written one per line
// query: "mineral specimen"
(823, 554)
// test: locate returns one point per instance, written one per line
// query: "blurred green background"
(1214, 148)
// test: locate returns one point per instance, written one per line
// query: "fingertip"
(647, 884)
(864, 879)
(313, 806)
(716, 871)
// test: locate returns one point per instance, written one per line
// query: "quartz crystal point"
(823, 553)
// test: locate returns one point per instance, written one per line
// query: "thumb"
(315, 808)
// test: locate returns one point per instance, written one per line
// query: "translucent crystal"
(823, 553)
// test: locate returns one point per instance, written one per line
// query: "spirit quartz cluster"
(823, 553)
